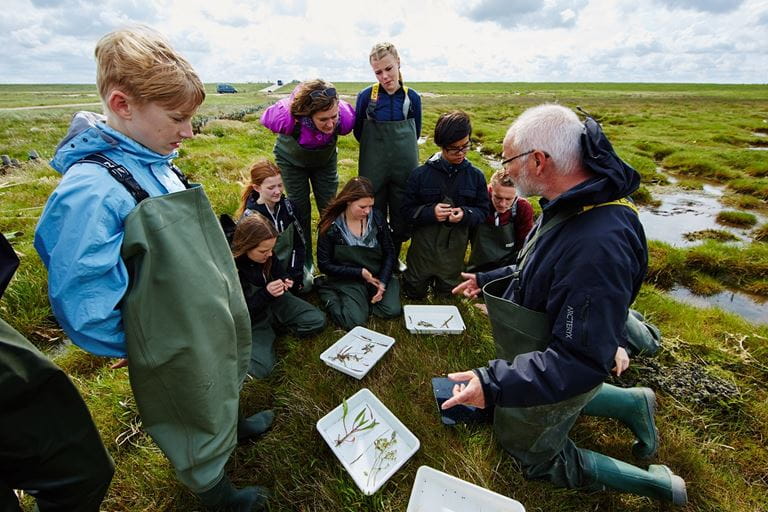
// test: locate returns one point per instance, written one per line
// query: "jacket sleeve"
(278, 117)
(346, 117)
(483, 278)
(361, 106)
(257, 298)
(416, 109)
(384, 237)
(326, 263)
(523, 222)
(480, 206)
(595, 293)
(79, 238)
(416, 212)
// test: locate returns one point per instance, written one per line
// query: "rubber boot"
(635, 407)
(225, 497)
(644, 338)
(657, 482)
(254, 426)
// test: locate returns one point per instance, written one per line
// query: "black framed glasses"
(328, 93)
(524, 153)
(461, 149)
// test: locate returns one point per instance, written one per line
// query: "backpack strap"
(120, 174)
(289, 209)
(372, 102)
(406, 103)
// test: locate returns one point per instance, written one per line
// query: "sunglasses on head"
(328, 93)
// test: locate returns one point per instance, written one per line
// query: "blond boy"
(139, 268)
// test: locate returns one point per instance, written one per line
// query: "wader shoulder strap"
(182, 177)
(120, 173)
(375, 97)
(559, 218)
(297, 222)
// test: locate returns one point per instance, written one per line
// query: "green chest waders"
(388, 154)
(538, 435)
(437, 251)
(284, 251)
(350, 299)
(187, 332)
(492, 245)
(299, 167)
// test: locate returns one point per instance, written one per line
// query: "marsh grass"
(736, 218)
(718, 448)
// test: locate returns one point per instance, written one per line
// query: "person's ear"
(120, 103)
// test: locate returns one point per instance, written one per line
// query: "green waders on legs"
(301, 167)
(388, 154)
(435, 257)
(286, 311)
(349, 304)
(187, 388)
(49, 445)
(538, 436)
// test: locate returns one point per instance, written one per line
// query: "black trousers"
(49, 446)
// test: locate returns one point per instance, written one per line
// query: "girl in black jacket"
(355, 251)
(266, 288)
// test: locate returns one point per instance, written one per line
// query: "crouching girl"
(265, 285)
(355, 251)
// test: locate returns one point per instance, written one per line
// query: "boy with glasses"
(444, 199)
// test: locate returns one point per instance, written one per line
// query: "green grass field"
(713, 427)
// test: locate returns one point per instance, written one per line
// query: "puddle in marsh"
(750, 307)
(761, 148)
(683, 212)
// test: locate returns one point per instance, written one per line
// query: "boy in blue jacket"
(139, 267)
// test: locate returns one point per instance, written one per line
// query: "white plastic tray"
(433, 319)
(435, 491)
(357, 352)
(358, 453)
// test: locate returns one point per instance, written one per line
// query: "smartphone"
(442, 387)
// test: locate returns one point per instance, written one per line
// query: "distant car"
(225, 88)
(279, 82)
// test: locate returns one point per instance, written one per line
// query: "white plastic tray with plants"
(371, 443)
(426, 319)
(357, 352)
(435, 491)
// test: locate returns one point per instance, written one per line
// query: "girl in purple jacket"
(308, 123)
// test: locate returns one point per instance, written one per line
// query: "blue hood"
(89, 133)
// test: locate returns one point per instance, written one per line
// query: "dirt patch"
(686, 381)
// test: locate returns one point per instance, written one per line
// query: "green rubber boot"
(254, 426)
(657, 482)
(224, 497)
(635, 407)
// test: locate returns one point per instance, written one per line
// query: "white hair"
(552, 128)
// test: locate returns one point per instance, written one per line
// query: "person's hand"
(470, 393)
(276, 288)
(379, 294)
(468, 287)
(287, 283)
(622, 361)
(442, 211)
(456, 215)
(121, 363)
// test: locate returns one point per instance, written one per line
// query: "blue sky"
(721, 41)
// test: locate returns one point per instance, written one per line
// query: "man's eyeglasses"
(461, 149)
(328, 93)
(525, 153)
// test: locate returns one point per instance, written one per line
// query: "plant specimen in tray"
(347, 356)
(370, 341)
(445, 324)
(360, 424)
(386, 453)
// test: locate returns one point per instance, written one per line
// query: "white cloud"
(454, 40)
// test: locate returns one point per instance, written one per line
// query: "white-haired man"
(559, 316)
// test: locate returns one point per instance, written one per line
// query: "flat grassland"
(709, 378)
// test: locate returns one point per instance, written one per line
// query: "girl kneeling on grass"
(265, 285)
(355, 251)
(264, 195)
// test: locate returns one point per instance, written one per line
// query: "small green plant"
(761, 234)
(359, 425)
(710, 234)
(736, 218)
(385, 454)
